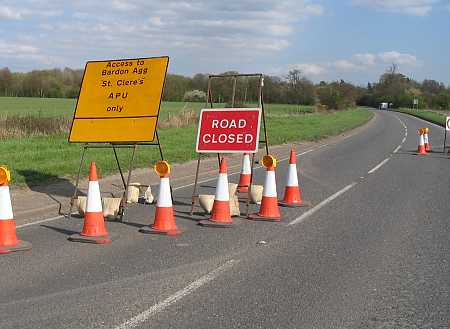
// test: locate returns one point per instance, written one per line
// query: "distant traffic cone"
(426, 141)
(221, 214)
(94, 230)
(8, 237)
(164, 222)
(244, 179)
(292, 193)
(421, 148)
(268, 210)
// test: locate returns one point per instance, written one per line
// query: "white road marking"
(144, 316)
(378, 166)
(382, 163)
(40, 221)
(322, 204)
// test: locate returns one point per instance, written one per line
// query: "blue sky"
(354, 40)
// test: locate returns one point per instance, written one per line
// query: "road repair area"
(370, 251)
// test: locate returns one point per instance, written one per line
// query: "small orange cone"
(94, 230)
(221, 215)
(421, 148)
(8, 238)
(164, 222)
(292, 193)
(426, 141)
(244, 179)
(268, 210)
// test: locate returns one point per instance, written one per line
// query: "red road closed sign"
(447, 124)
(228, 131)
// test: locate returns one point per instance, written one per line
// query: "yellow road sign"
(119, 101)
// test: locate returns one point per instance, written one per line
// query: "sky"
(354, 40)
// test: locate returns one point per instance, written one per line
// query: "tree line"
(294, 88)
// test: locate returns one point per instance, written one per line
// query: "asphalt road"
(372, 252)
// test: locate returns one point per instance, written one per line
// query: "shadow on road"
(59, 230)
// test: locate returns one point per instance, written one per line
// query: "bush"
(334, 97)
(194, 96)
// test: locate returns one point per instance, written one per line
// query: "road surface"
(372, 252)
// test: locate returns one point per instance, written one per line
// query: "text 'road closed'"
(228, 130)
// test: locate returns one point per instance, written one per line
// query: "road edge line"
(161, 306)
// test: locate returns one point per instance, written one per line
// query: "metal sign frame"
(210, 103)
(117, 145)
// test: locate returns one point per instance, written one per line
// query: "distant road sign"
(233, 130)
(119, 100)
(447, 124)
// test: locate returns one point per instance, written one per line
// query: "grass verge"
(51, 158)
(431, 116)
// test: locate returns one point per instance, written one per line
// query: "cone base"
(151, 230)
(213, 223)
(102, 239)
(294, 204)
(258, 217)
(21, 246)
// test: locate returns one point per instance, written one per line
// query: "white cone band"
(425, 138)
(5, 204)
(270, 187)
(164, 197)
(222, 188)
(292, 179)
(421, 142)
(246, 168)
(94, 200)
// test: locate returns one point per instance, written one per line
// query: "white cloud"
(360, 62)
(12, 49)
(214, 31)
(398, 58)
(366, 58)
(123, 5)
(408, 7)
(310, 68)
(8, 13)
(346, 65)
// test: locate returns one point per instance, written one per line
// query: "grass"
(49, 107)
(432, 116)
(36, 159)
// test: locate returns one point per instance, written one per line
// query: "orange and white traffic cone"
(246, 173)
(421, 148)
(292, 193)
(8, 237)
(268, 210)
(164, 222)
(426, 141)
(221, 214)
(94, 230)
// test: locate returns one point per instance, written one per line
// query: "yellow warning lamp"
(162, 168)
(5, 175)
(269, 161)
(426, 130)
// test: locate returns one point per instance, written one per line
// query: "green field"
(46, 107)
(49, 158)
(432, 116)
